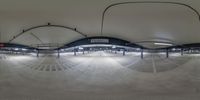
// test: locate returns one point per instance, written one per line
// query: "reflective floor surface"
(100, 76)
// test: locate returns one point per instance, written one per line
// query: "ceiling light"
(163, 44)
(16, 49)
(113, 46)
(174, 49)
(137, 49)
(80, 48)
(62, 50)
(24, 49)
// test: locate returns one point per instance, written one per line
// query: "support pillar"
(12, 51)
(142, 53)
(188, 50)
(38, 53)
(181, 51)
(58, 53)
(83, 51)
(167, 53)
(74, 52)
(124, 52)
(115, 51)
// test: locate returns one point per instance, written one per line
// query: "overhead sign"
(99, 41)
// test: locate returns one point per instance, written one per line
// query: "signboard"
(99, 41)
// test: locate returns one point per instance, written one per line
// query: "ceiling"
(133, 22)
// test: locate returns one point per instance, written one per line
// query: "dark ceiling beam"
(106, 40)
(48, 25)
(144, 2)
(15, 45)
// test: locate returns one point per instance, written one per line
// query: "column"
(181, 51)
(58, 53)
(38, 53)
(74, 52)
(142, 55)
(124, 52)
(167, 53)
(83, 51)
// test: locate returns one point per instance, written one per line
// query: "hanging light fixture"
(163, 44)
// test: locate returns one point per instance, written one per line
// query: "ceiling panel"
(134, 23)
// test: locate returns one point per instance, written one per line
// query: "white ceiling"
(132, 22)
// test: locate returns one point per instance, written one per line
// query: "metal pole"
(142, 55)
(37, 53)
(181, 51)
(83, 51)
(167, 53)
(124, 52)
(58, 53)
(74, 52)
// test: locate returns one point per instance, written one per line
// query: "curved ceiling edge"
(48, 25)
(101, 40)
(15, 45)
(147, 2)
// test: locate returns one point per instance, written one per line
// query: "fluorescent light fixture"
(24, 49)
(174, 49)
(16, 49)
(62, 50)
(80, 48)
(137, 49)
(113, 46)
(163, 44)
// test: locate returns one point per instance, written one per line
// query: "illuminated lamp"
(24, 49)
(16, 49)
(163, 44)
(113, 46)
(80, 48)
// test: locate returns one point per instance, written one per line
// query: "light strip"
(163, 44)
(80, 48)
(16, 49)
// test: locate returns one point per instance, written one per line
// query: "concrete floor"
(100, 76)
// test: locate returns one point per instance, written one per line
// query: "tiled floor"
(100, 76)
